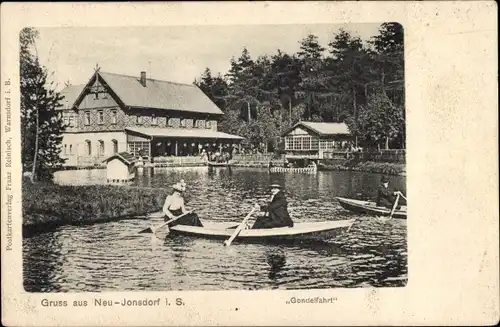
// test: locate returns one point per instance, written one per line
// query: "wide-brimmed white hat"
(179, 187)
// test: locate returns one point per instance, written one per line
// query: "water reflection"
(113, 256)
(276, 259)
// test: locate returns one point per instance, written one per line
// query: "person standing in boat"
(174, 207)
(386, 197)
(276, 212)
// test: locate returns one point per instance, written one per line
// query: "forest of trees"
(359, 83)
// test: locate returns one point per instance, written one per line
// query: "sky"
(176, 53)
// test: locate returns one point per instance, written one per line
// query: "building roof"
(156, 94)
(70, 94)
(322, 128)
(183, 133)
(126, 157)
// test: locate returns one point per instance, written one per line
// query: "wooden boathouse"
(120, 167)
(316, 140)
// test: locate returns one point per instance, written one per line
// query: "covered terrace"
(165, 142)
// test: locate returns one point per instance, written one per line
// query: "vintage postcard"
(274, 163)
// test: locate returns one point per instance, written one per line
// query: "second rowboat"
(368, 207)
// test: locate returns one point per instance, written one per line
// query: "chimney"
(143, 78)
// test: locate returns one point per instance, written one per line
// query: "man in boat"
(276, 212)
(386, 197)
(174, 207)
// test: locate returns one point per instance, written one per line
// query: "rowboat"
(299, 232)
(310, 169)
(368, 207)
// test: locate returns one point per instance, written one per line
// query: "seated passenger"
(174, 207)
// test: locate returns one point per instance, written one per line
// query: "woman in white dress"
(174, 207)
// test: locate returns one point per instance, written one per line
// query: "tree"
(378, 122)
(41, 125)
(314, 81)
(389, 62)
(350, 63)
(214, 87)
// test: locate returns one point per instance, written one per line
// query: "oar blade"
(148, 230)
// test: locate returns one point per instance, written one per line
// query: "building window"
(170, 122)
(289, 143)
(71, 149)
(183, 122)
(96, 96)
(65, 149)
(100, 117)
(208, 124)
(101, 147)
(297, 143)
(154, 120)
(71, 121)
(113, 116)
(87, 117)
(88, 146)
(138, 119)
(314, 143)
(139, 148)
(115, 146)
(306, 143)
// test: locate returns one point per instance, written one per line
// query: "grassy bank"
(386, 168)
(47, 206)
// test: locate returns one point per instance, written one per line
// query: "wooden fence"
(395, 156)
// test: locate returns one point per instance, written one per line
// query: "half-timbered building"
(113, 113)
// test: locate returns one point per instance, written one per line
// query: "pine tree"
(313, 85)
(214, 87)
(41, 125)
(389, 63)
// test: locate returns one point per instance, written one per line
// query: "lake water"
(114, 257)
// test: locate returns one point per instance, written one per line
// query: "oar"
(394, 207)
(403, 196)
(239, 228)
(154, 229)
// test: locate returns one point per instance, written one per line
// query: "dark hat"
(384, 180)
(275, 186)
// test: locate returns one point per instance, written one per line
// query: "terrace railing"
(178, 161)
(253, 157)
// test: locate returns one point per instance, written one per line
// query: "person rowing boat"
(174, 207)
(276, 209)
(385, 197)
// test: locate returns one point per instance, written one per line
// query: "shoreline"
(385, 168)
(47, 206)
